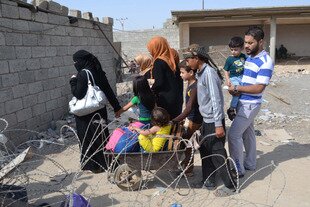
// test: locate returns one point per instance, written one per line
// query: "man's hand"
(232, 92)
(73, 76)
(219, 132)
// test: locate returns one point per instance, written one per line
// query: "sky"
(148, 14)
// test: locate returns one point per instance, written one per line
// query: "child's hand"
(228, 83)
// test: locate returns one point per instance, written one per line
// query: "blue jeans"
(235, 81)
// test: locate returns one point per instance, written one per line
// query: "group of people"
(158, 93)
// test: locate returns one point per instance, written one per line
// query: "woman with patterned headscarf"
(144, 63)
(168, 85)
(92, 138)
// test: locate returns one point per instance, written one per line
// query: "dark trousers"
(213, 145)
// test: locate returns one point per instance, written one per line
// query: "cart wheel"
(126, 178)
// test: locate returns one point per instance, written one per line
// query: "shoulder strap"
(88, 73)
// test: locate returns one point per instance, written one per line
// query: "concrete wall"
(36, 62)
(294, 37)
(134, 42)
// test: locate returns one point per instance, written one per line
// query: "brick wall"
(36, 61)
(134, 42)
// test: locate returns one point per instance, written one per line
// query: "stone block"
(49, 84)
(13, 105)
(30, 39)
(56, 40)
(35, 27)
(54, 19)
(9, 11)
(17, 65)
(59, 112)
(88, 15)
(75, 13)
(6, 95)
(11, 79)
(56, 93)
(26, 77)
(24, 114)
(20, 25)
(64, 10)
(107, 20)
(61, 51)
(38, 52)
(2, 110)
(46, 62)
(44, 96)
(33, 64)
(41, 17)
(38, 109)
(52, 104)
(54, 6)
(13, 39)
(96, 19)
(23, 52)
(51, 51)
(43, 4)
(62, 102)
(52, 72)
(4, 67)
(44, 40)
(35, 87)
(30, 100)
(8, 2)
(65, 71)
(24, 13)
(68, 61)
(58, 61)
(11, 119)
(2, 39)
(20, 90)
(40, 74)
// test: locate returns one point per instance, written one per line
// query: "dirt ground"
(281, 177)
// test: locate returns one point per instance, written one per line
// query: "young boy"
(234, 70)
(191, 112)
(211, 107)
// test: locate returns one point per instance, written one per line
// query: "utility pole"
(203, 4)
(122, 21)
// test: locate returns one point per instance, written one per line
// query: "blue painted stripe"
(256, 61)
(246, 84)
(265, 72)
(250, 73)
(249, 97)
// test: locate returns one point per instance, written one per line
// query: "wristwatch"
(235, 89)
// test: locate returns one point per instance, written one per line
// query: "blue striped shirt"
(257, 70)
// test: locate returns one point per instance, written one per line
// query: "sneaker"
(224, 192)
(231, 113)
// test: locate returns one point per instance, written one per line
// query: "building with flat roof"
(289, 26)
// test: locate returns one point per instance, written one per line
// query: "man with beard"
(258, 70)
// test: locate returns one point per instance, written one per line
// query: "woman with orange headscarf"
(168, 85)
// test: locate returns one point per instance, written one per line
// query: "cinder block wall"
(36, 61)
(134, 42)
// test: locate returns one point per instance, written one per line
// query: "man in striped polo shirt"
(258, 70)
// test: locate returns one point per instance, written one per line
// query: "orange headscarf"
(145, 63)
(159, 48)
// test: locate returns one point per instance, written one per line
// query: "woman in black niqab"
(92, 138)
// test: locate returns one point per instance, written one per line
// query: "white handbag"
(94, 99)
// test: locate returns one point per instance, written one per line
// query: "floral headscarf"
(145, 63)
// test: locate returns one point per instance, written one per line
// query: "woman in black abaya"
(89, 131)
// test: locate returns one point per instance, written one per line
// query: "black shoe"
(231, 113)
(234, 174)
(209, 184)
